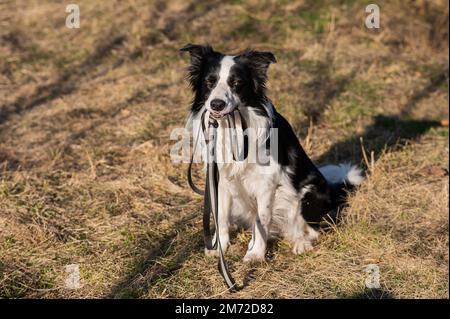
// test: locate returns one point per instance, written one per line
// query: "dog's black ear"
(259, 62)
(259, 59)
(198, 54)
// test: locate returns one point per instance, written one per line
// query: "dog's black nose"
(217, 105)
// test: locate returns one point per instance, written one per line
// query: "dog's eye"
(235, 83)
(210, 81)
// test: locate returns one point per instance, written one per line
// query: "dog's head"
(223, 83)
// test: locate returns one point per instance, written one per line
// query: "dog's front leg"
(261, 226)
(224, 205)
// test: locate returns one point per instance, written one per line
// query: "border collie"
(289, 198)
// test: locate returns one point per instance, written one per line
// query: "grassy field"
(85, 120)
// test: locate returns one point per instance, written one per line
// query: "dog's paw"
(211, 252)
(301, 246)
(253, 256)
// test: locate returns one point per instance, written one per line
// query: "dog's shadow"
(386, 132)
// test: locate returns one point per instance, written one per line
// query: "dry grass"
(85, 173)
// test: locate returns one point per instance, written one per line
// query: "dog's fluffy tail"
(342, 178)
(344, 174)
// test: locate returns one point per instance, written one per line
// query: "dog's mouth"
(219, 115)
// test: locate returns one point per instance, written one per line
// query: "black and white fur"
(286, 199)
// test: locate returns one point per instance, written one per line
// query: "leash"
(210, 207)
